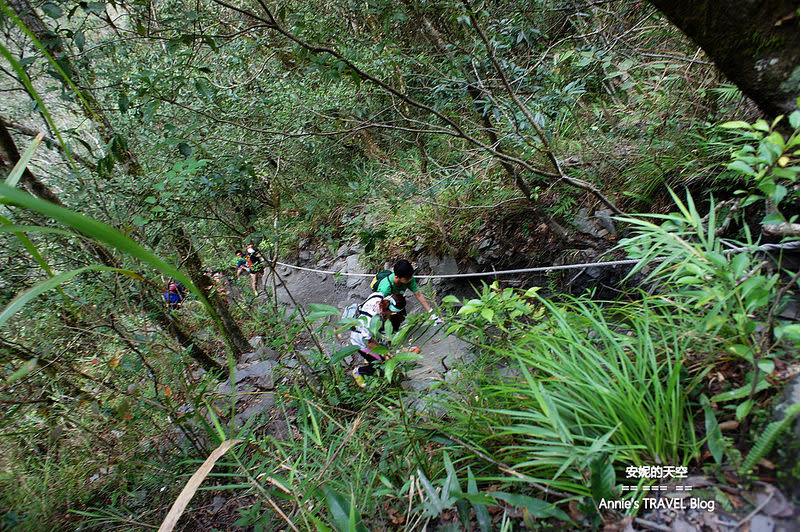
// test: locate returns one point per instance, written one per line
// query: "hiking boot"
(360, 382)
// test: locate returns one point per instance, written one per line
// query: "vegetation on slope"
(175, 131)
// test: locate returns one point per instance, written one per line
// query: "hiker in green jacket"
(398, 282)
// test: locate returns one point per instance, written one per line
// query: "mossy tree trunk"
(755, 44)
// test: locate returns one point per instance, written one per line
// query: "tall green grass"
(588, 380)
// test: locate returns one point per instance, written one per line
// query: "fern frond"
(768, 437)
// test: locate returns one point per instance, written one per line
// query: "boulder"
(261, 353)
(257, 406)
(223, 388)
(585, 225)
(604, 220)
(259, 373)
(256, 342)
(444, 266)
(246, 358)
(353, 281)
(352, 265)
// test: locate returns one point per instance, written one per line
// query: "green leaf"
(467, 309)
(211, 42)
(52, 10)
(603, 478)
(389, 366)
(203, 88)
(319, 310)
(742, 167)
(790, 332)
(451, 490)
(488, 314)
(433, 506)
(26, 368)
(742, 350)
(341, 511)
(713, 433)
(343, 353)
(95, 8)
(150, 110)
(739, 264)
(761, 125)
(736, 124)
(80, 40)
(538, 508)
(740, 393)
(481, 513)
(766, 365)
(123, 103)
(743, 409)
(405, 356)
(794, 119)
(16, 173)
(779, 193)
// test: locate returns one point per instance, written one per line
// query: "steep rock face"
(756, 45)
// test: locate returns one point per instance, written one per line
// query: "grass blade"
(191, 486)
(19, 168)
(22, 299)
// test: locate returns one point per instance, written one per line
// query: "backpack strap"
(372, 296)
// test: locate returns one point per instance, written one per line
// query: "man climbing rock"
(255, 263)
(391, 308)
(174, 294)
(402, 279)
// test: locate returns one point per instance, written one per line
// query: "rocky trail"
(256, 372)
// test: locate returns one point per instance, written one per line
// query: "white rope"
(476, 274)
(765, 247)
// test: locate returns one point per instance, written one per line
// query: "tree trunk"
(755, 44)
(158, 313)
(233, 334)
(9, 156)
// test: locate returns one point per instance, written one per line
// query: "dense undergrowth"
(563, 396)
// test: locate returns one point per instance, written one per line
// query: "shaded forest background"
(174, 132)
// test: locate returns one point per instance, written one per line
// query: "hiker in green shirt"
(401, 280)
